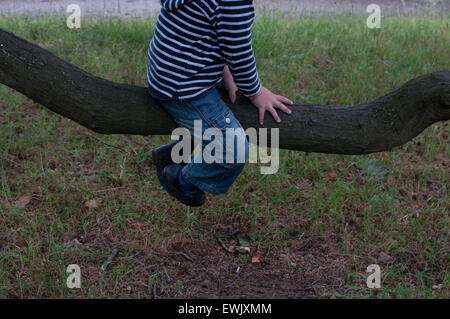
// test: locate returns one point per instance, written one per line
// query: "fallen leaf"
(22, 243)
(330, 175)
(256, 258)
(23, 201)
(384, 258)
(93, 203)
(371, 166)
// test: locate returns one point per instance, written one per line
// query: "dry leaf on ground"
(23, 201)
(256, 258)
(93, 203)
(330, 175)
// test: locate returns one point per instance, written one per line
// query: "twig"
(139, 144)
(291, 289)
(239, 270)
(155, 296)
(185, 256)
(222, 258)
(107, 144)
(223, 245)
(233, 233)
(107, 189)
(167, 275)
(138, 166)
(108, 261)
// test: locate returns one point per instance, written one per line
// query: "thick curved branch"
(112, 108)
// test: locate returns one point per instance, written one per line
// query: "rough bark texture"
(112, 108)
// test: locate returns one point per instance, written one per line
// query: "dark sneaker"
(170, 178)
(161, 157)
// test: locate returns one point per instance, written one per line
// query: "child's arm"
(234, 20)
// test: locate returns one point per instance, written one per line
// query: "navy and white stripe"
(193, 41)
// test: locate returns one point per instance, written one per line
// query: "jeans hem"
(205, 187)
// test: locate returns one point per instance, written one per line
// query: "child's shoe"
(161, 157)
(170, 177)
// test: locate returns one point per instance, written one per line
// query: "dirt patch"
(304, 269)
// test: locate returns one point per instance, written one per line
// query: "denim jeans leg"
(217, 176)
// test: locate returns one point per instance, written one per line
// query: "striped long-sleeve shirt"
(192, 42)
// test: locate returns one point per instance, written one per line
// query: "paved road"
(149, 8)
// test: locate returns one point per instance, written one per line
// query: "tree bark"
(112, 108)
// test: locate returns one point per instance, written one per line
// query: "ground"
(70, 196)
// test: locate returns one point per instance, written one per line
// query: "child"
(197, 46)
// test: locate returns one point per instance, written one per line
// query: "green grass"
(353, 218)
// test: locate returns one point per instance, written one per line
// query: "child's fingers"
(284, 108)
(232, 95)
(274, 114)
(261, 115)
(285, 100)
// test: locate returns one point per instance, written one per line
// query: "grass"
(67, 196)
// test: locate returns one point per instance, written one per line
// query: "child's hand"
(267, 101)
(229, 85)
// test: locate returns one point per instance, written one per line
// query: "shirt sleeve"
(233, 23)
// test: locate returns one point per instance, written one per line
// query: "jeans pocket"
(207, 107)
(224, 120)
(234, 139)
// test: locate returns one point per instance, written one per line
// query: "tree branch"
(112, 108)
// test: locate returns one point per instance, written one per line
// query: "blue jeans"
(216, 176)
